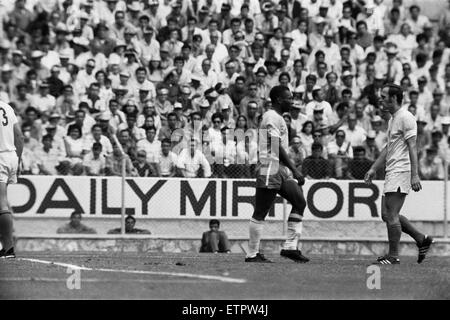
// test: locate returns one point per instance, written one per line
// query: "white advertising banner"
(56, 196)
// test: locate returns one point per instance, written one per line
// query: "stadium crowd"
(98, 82)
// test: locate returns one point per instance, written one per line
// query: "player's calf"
(6, 231)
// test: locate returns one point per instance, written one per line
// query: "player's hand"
(415, 183)
(299, 177)
(369, 176)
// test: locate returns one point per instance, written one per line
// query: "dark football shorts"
(270, 176)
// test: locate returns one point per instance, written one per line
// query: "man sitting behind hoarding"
(130, 222)
(214, 240)
(75, 225)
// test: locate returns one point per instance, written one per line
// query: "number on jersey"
(3, 117)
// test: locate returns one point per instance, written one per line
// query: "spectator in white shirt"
(208, 78)
(417, 21)
(191, 160)
(150, 145)
(94, 162)
(355, 134)
(44, 101)
(339, 152)
(97, 137)
(167, 161)
(47, 157)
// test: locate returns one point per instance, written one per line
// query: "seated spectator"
(74, 144)
(339, 152)
(359, 165)
(130, 222)
(128, 144)
(192, 162)
(215, 241)
(167, 166)
(94, 162)
(372, 151)
(431, 166)
(47, 157)
(151, 145)
(75, 225)
(224, 156)
(97, 136)
(315, 166)
(306, 136)
(29, 142)
(131, 125)
(297, 153)
(143, 168)
(354, 133)
(114, 164)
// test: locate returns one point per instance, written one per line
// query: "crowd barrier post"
(285, 217)
(123, 174)
(445, 198)
(122, 204)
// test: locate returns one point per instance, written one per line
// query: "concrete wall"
(147, 244)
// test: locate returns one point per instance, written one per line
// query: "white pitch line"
(96, 280)
(160, 273)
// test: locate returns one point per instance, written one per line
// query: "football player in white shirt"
(277, 175)
(400, 159)
(11, 147)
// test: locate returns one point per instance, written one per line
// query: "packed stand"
(169, 87)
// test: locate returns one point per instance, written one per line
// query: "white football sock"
(294, 230)
(255, 230)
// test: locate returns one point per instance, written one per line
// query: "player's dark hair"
(276, 92)
(97, 146)
(129, 217)
(395, 91)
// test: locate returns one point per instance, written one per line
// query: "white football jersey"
(7, 121)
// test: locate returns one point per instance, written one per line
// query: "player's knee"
(390, 218)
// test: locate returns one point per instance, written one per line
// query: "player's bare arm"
(284, 158)
(415, 180)
(381, 160)
(18, 141)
